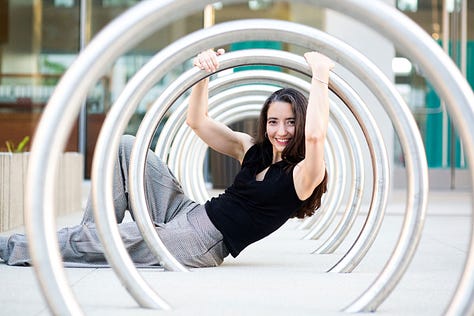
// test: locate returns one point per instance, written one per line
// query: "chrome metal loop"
(149, 16)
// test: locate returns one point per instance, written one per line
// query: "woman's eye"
(291, 122)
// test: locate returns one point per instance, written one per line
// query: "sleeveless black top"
(250, 210)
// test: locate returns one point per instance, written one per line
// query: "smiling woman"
(283, 174)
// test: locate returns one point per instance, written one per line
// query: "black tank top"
(250, 210)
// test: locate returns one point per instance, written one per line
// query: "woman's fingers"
(316, 59)
(207, 60)
(204, 61)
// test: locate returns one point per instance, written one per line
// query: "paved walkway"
(279, 275)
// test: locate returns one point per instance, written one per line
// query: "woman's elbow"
(193, 123)
(315, 137)
(190, 123)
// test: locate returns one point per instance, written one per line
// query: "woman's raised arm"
(309, 173)
(215, 134)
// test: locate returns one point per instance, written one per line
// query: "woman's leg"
(81, 243)
(119, 190)
(190, 237)
(163, 192)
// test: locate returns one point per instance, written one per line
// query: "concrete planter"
(13, 172)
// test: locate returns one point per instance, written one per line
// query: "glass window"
(27, 30)
(442, 144)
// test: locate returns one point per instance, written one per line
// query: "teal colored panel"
(433, 130)
(470, 63)
(257, 44)
(434, 124)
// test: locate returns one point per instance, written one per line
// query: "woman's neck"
(276, 157)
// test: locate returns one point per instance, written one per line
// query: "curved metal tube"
(355, 191)
(184, 85)
(63, 107)
(136, 25)
(377, 153)
(168, 55)
(453, 88)
(339, 174)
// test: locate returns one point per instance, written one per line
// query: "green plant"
(21, 146)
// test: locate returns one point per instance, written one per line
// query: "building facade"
(40, 39)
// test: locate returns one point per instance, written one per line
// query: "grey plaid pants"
(182, 224)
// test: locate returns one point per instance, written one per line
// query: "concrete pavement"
(279, 275)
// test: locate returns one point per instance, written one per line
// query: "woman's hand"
(207, 60)
(320, 65)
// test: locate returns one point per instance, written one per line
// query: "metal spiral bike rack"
(148, 17)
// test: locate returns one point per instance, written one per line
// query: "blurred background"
(40, 39)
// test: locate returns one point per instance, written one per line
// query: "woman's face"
(280, 126)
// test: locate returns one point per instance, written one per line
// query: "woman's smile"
(280, 126)
(282, 141)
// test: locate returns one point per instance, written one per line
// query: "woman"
(283, 175)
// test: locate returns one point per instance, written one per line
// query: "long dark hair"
(294, 152)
